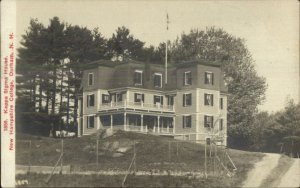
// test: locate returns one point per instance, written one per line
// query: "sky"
(270, 29)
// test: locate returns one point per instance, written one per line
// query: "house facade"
(133, 96)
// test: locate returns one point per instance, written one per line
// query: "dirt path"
(261, 170)
(292, 177)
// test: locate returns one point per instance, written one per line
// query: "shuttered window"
(187, 121)
(138, 97)
(209, 78)
(157, 80)
(187, 78)
(187, 99)
(90, 122)
(90, 100)
(138, 77)
(208, 99)
(208, 121)
(91, 79)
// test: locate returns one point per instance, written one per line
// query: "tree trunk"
(61, 90)
(40, 94)
(53, 91)
(68, 98)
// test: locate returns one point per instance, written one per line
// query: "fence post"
(215, 151)
(29, 159)
(97, 153)
(134, 153)
(62, 153)
(169, 151)
(205, 161)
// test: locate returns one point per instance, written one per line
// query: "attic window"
(187, 78)
(158, 80)
(91, 79)
(209, 78)
(138, 77)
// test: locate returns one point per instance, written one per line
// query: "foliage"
(245, 88)
(123, 45)
(279, 132)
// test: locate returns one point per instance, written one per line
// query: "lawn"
(153, 153)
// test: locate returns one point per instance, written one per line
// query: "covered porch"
(139, 122)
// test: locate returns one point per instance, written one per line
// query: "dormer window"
(138, 77)
(187, 78)
(157, 80)
(209, 78)
(91, 79)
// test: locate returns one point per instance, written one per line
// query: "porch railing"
(137, 105)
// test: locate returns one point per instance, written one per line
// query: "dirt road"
(261, 170)
(292, 176)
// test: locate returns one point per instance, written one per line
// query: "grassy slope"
(152, 154)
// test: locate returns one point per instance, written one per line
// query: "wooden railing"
(137, 105)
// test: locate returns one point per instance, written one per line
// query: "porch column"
(158, 118)
(111, 122)
(125, 116)
(142, 122)
(174, 118)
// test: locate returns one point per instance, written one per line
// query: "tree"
(122, 45)
(56, 52)
(245, 88)
(83, 46)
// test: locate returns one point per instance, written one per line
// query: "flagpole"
(166, 58)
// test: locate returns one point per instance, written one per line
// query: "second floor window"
(187, 99)
(91, 79)
(221, 103)
(158, 99)
(158, 80)
(105, 98)
(187, 121)
(90, 122)
(138, 77)
(90, 100)
(221, 124)
(208, 99)
(187, 78)
(208, 121)
(138, 97)
(209, 78)
(170, 100)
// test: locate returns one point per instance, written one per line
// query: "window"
(187, 78)
(221, 103)
(90, 122)
(138, 77)
(90, 100)
(221, 124)
(187, 99)
(208, 99)
(158, 99)
(170, 100)
(158, 80)
(187, 121)
(209, 78)
(119, 97)
(138, 97)
(208, 121)
(105, 98)
(91, 79)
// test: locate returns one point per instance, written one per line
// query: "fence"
(124, 156)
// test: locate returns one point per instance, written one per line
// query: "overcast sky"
(270, 28)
